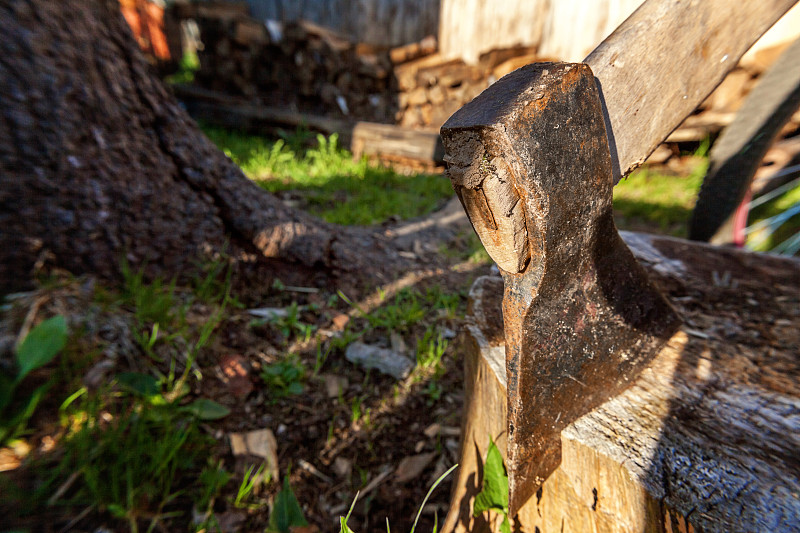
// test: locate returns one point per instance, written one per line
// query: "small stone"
(412, 466)
(448, 333)
(335, 385)
(398, 343)
(342, 467)
(432, 430)
(261, 443)
(383, 360)
(269, 313)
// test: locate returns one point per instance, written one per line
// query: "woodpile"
(299, 65)
(302, 68)
(307, 68)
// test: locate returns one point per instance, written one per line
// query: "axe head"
(530, 161)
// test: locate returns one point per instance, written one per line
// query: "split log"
(705, 440)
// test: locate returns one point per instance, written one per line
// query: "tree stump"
(706, 439)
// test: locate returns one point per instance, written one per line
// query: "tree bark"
(100, 163)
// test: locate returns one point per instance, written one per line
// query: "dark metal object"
(530, 161)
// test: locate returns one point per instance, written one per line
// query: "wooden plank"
(706, 438)
(664, 60)
(384, 139)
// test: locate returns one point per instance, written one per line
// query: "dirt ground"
(350, 430)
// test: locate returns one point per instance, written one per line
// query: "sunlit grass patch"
(649, 199)
(330, 183)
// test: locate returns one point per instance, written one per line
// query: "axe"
(533, 160)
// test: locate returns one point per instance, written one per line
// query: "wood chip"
(342, 467)
(412, 466)
(261, 443)
(335, 385)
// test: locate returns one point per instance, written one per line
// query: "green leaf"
(343, 519)
(138, 383)
(286, 512)
(494, 494)
(117, 510)
(41, 344)
(295, 388)
(505, 526)
(206, 409)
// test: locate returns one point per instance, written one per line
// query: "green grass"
(648, 200)
(135, 461)
(330, 183)
(189, 64)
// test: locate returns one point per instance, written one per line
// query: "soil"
(407, 433)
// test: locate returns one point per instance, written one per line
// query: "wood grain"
(705, 439)
(664, 60)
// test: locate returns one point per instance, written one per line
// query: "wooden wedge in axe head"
(533, 160)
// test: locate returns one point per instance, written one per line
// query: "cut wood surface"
(384, 139)
(706, 438)
(664, 60)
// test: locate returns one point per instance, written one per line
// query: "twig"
(63, 488)
(28, 322)
(77, 519)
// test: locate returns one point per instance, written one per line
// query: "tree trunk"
(100, 163)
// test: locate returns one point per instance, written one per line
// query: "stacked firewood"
(307, 68)
(298, 65)
(430, 88)
(304, 68)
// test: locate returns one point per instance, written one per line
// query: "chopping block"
(706, 439)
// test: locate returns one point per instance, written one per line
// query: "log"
(705, 440)
(384, 139)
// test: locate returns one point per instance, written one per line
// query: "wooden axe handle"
(664, 60)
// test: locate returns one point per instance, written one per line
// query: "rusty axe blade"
(531, 162)
(581, 317)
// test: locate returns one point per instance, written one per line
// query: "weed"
(189, 64)
(433, 391)
(212, 480)
(290, 324)
(647, 198)
(321, 358)
(152, 303)
(430, 350)
(286, 513)
(135, 461)
(212, 283)
(400, 315)
(285, 377)
(344, 528)
(494, 491)
(247, 485)
(355, 409)
(449, 302)
(38, 348)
